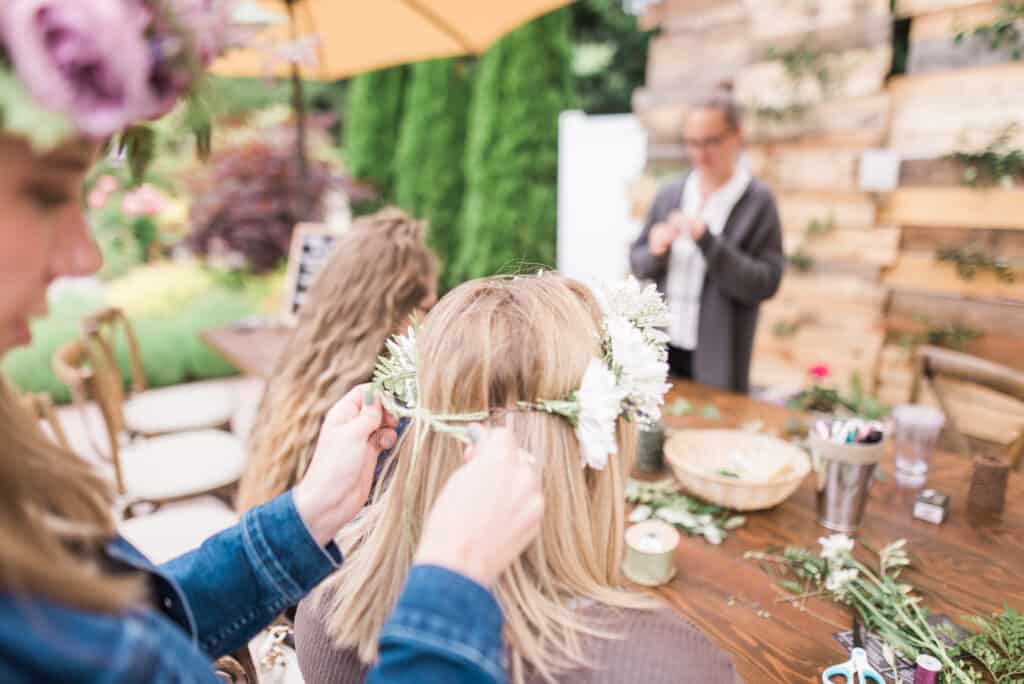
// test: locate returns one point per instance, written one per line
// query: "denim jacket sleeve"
(445, 628)
(239, 580)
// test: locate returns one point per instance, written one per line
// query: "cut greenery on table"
(681, 407)
(891, 608)
(662, 500)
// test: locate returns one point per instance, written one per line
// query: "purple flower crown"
(98, 67)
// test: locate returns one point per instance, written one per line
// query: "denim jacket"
(212, 600)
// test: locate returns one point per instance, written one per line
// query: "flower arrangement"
(893, 610)
(98, 67)
(823, 398)
(628, 381)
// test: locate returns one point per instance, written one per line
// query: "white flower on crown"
(600, 402)
(629, 382)
(643, 306)
(640, 367)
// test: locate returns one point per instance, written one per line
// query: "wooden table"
(251, 349)
(971, 565)
(968, 565)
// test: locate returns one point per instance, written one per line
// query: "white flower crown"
(628, 381)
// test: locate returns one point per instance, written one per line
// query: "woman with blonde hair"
(379, 276)
(568, 377)
(77, 602)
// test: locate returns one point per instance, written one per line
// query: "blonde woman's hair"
(55, 517)
(486, 346)
(377, 275)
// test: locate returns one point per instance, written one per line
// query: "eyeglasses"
(703, 143)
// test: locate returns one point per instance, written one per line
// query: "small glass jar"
(651, 452)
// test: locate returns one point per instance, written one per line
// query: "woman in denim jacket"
(77, 602)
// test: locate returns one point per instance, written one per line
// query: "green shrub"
(373, 114)
(30, 368)
(431, 144)
(509, 215)
(171, 348)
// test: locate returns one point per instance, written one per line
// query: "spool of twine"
(988, 484)
(650, 553)
(651, 452)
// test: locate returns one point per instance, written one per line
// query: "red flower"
(820, 371)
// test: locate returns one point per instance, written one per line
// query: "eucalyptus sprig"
(886, 605)
(662, 500)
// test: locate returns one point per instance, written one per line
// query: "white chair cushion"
(180, 408)
(181, 464)
(176, 528)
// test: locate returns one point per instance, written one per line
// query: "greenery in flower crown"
(627, 382)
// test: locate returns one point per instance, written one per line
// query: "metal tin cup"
(651, 452)
(650, 553)
(844, 473)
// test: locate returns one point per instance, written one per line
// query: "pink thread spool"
(928, 669)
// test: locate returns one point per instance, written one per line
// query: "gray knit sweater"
(658, 647)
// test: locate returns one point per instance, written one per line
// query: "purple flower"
(87, 59)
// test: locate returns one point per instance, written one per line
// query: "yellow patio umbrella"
(355, 36)
(333, 39)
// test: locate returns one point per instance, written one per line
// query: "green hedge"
(172, 351)
(373, 112)
(510, 211)
(428, 164)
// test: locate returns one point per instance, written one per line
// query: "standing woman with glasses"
(713, 244)
(77, 602)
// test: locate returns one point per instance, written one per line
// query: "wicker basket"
(686, 450)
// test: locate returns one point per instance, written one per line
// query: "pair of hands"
(487, 513)
(663, 234)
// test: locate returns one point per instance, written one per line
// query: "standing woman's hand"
(488, 512)
(337, 482)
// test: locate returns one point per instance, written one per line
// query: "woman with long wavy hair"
(380, 275)
(521, 351)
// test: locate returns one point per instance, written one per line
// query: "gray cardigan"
(744, 268)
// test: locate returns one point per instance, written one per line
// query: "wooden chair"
(151, 412)
(159, 469)
(935, 363)
(40, 406)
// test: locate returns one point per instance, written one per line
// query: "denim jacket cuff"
(283, 551)
(442, 611)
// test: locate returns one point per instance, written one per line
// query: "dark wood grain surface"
(968, 565)
(252, 350)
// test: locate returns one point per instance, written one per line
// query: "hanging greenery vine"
(971, 259)
(1002, 33)
(997, 163)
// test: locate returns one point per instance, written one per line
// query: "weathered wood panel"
(1002, 318)
(878, 247)
(681, 58)
(853, 74)
(862, 122)
(926, 274)
(947, 172)
(849, 211)
(682, 15)
(803, 167)
(932, 44)
(912, 7)
(962, 110)
(992, 208)
(775, 21)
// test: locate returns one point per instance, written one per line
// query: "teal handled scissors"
(856, 670)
